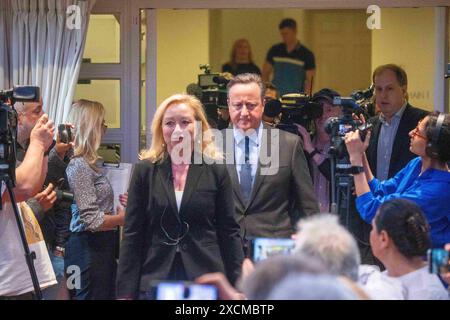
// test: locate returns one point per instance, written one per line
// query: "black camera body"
(337, 128)
(8, 125)
(294, 108)
(211, 90)
(65, 133)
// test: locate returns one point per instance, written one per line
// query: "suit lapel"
(401, 141)
(373, 146)
(265, 140)
(165, 176)
(193, 176)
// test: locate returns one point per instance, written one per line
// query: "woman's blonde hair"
(233, 61)
(87, 117)
(158, 149)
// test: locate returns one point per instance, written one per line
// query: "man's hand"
(43, 132)
(47, 197)
(307, 144)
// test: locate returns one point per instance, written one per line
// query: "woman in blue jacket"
(425, 180)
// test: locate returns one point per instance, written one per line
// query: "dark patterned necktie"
(245, 175)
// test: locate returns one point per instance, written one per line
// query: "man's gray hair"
(322, 237)
(270, 272)
(247, 78)
(311, 287)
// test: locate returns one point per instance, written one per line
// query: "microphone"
(272, 108)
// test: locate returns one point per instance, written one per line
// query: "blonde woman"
(93, 241)
(180, 213)
(241, 60)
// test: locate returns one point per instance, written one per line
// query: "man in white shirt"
(272, 187)
(15, 279)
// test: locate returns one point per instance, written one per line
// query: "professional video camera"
(211, 90)
(338, 127)
(8, 126)
(294, 108)
(363, 98)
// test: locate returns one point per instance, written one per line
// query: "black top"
(241, 68)
(208, 233)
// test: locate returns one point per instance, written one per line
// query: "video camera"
(337, 128)
(296, 108)
(363, 98)
(8, 126)
(211, 90)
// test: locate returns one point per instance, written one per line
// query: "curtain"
(41, 44)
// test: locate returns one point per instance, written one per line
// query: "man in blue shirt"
(292, 64)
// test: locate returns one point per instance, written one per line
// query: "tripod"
(29, 256)
(341, 194)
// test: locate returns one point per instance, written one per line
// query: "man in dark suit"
(271, 183)
(388, 150)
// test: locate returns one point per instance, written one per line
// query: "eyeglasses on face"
(416, 133)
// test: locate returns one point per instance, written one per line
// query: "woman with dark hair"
(241, 60)
(400, 239)
(425, 180)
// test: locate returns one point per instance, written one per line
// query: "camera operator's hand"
(47, 197)
(307, 143)
(355, 147)
(43, 132)
(61, 147)
(123, 199)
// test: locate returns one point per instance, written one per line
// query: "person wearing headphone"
(425, 179)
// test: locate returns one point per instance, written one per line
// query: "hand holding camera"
(306, 138)
(43, 132)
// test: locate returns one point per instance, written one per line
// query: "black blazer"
(277, 201)
(400, 150)
(211, 244)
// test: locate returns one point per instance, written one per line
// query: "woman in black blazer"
(180, 217)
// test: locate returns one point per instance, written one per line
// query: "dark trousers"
(95, 254)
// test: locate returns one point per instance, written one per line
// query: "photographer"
(52, 214)
(425, 180)
(15, 281)
(316, 147)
